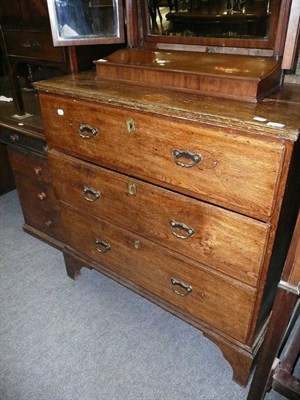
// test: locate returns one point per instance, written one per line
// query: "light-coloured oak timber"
(228, 76)
(229, 242)
(234, 171)
(230, 315)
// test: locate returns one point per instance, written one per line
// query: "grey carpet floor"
(92, 339)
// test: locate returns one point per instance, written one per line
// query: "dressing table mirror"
(85, 22)
(225, 48)
(242, 23)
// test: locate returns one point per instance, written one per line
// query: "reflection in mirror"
(75, 20)
(210, 18)
(82, 18)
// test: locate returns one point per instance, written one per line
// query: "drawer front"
(234, 171)
(39, 206)
(229, 242)
(48, 222)
(14, 138)
(220, 302)
(32, 44)
(33, 165)
(38, 194)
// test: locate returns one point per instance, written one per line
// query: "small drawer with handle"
(39, 206)
(32, 165)
(32, 44)
(35, 193)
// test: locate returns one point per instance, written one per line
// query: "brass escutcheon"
(130, 126)
(131, 189)
(137, 244)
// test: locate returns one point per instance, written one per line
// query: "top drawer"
(234, 171)
(32, 44)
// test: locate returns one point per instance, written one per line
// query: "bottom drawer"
(48, 222)
(219, 301)
(39, 206)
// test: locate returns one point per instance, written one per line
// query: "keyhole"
(130, 126)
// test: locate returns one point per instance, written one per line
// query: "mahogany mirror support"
(283, 19)
(132, 18)
(292, 36)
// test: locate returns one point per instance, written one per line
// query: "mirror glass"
(75, 22)
(240, 19)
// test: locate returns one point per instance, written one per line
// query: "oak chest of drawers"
(182, 198)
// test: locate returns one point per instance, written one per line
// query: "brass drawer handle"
(102, 246)
(193, 158)
(26, 44)
(37, 170)
(42, 196)
(29, 44)
(181, 226)
(91, 194)
(49, 223)
(87, 131)
(187, 289)
(14, 138)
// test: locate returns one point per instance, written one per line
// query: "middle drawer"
(228, 242)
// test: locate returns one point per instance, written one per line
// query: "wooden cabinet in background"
(26, 38)
(6, 177)
(33, 181)
(27, 157)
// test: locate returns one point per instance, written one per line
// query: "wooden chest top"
(277, 116)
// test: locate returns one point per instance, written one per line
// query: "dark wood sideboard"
(26, 149)
(6, 176)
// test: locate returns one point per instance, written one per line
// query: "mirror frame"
(88, 40)
(268, 43)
